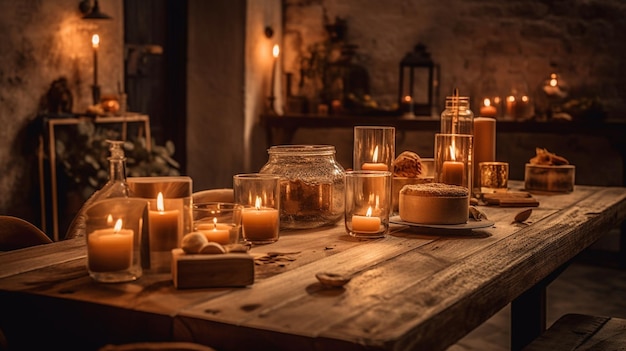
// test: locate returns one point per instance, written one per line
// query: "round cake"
(434, 203)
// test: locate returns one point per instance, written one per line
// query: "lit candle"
(407, 102)
(95, 43)
(163, 227)
(374, 165)
(453, 171)
(488, 110)
(365, 223)
(216, 232)
(110, 250)
(484, 143)
(260, 223)
(275, 52)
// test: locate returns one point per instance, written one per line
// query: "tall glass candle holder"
(374, 148)
(453, 159)
(368, 203)
(220, 222)
(259, 194)
(169, 217)
(113, 231)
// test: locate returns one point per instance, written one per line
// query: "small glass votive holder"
(374, 148)
(259, 194)
(220, 222)
(113, 232)
(368, 203)
(169, 217)
(494, 177)
(453, 159)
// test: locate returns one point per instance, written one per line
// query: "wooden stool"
(582, 332)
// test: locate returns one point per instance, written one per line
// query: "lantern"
(418, 82)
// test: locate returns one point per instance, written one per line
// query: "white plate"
(471, 224)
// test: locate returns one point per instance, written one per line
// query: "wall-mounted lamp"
(92, 12)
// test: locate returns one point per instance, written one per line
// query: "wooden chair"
(213, 195)
(582, 332)
(162, 346)
(16, 233)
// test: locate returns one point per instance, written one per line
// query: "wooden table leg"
(528, 316)
(528, 312)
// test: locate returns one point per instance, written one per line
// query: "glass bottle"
(116, 186)
(457, 118)
(311, 186)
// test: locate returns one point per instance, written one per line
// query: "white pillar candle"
(110, 250)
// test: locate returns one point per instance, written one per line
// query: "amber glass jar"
(311, 186)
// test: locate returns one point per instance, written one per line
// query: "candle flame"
(257, 203)
(369, 212)
(160, 206)
(95, 41)
(487, 102)
(375, 155)
(118, 226)
(452, 152)
(553, 80)
(511, 98)
(109, 219)
(525, 98)
(407, 98)
(214, 223)
(276, 50)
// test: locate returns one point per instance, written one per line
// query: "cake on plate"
(434, 203)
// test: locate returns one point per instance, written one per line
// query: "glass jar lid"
(304, 150)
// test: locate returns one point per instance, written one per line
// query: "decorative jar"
(311, 187)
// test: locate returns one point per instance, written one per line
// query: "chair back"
(16, 233)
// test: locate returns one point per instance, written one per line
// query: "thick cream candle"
(110, 250)
(163, 227)
(260, 223)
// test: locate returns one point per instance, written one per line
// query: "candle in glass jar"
(163, 227)
(453, 171)
(110, 250)
(216, 232)
(374, 165)
(260, 223)
(365, 223)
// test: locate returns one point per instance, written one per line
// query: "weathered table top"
(412, 289)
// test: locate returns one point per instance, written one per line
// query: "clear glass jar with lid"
(457, 118)
(312, 185)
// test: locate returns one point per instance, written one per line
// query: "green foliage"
(83, 155)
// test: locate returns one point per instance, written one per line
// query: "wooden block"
(511, 199)
(211, 271)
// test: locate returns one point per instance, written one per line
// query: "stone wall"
(474, 42)
(41, 41)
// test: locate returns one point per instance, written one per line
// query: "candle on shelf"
(216, 232)
(95, 43)
(488, 110)
(453, 171)
(374, 165)
(163, 227)
(275, 52)
(407, 105)
(110, 250)
(366, 223)
(260, 223)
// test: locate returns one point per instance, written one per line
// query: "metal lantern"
(418, 82)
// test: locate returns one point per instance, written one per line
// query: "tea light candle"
(110, 250)
(163, 227)
(374, 165)
(216, 232)
(260, 223)
(488, 110)
(366, 223)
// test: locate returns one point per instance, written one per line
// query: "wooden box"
(211, 271)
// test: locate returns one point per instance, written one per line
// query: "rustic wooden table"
(413, 289)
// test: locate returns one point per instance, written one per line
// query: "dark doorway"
(155, 55)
